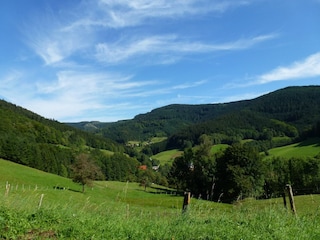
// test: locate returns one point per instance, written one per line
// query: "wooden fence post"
(40, 202)
(290, 193)
(127, 211)
(186, 201)
(7, 189)
(284, 198)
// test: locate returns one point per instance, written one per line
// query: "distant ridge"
(297, 106)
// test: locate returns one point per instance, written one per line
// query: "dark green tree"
(194, 171)
(181, 170)
(239, 173)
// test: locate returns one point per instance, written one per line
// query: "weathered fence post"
(290, 193)
(186, 201)
(284, 199)
(7, 189)
(127, 211)
(40, 202)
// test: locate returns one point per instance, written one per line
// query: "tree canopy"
(239, 173)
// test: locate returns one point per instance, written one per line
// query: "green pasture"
(167, 156)
(124, 210)
(158, 139)
(152, 140)
(218, 148)
(107, 152)
(308, 148)
(25, 181)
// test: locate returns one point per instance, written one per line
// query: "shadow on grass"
(311, 141)
(159, 190)
(63, 188)
(169, 194)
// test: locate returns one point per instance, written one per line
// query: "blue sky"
(110, 60)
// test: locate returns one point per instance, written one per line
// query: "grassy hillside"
(28, 180)
(218, 147)
(114, 210)
(167, 156)
(308, 148)
(48, 145)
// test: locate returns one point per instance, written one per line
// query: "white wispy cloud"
(306, 68)
(7, 82)
(15, 85)
(77, 95)
(53, 44)
(74, 93)
(78, 31)
(189, 85)
(128, 13)
(168, 45)
(91, 86)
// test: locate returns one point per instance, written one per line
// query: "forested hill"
(299, 106)
(295, 108)
(32, 140)
(160, 122)
(292, 112)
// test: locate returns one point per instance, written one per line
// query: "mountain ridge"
(296, 105)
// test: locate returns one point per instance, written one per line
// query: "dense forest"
(48, 145)
(250, 128)
(29, 139)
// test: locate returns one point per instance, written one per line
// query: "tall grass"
(80, 216)
(105, 222)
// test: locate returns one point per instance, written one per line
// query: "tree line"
(240, 172)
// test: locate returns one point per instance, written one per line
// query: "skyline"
(109, 60)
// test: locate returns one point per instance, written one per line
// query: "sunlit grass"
(309, 148)
(123, 210)
(118, 220)
(167, 156)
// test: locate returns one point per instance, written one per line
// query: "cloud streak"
(56, 39)
(168, 45)
(128, 13)
(307, 68)
(79, 93)
(52, 44)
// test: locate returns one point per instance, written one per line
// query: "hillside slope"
(32, 140)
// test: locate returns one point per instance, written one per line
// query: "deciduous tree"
(84, 170)
(239, 172)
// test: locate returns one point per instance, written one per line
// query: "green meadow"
(39, 205)
(218, 148)
(308, 148)
(169, 155)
